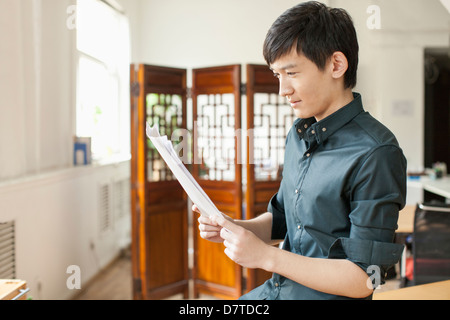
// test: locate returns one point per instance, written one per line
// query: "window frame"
(118, 71)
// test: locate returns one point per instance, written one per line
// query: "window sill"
(112, 160)
(58, 175)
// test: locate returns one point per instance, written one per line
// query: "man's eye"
(291, 74)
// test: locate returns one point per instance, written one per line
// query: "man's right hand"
(209, 230)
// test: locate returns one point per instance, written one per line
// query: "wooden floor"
(113, 283)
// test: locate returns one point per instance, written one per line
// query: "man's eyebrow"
(288, 66)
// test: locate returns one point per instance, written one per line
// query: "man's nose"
(285, 88)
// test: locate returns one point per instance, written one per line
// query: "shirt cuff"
(367, 253)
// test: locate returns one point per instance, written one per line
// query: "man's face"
(310, 91)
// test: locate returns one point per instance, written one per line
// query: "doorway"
(437, 107)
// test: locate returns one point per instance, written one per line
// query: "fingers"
(195, 208)
(209, 230)
(208, 227)
(202, 218)
(210, 235)
(227, 224)
(207, 221)
(233, 245)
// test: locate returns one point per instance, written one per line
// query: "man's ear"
(339, 64)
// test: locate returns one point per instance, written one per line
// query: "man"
(344, 176)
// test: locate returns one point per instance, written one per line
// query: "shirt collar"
(310, 130)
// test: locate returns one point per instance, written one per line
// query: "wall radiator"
(7, 251)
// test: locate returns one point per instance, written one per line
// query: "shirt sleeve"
(279, 227)
(378, 194)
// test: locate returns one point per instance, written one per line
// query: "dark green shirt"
(344, 182)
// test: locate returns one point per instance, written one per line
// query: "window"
(103, 79)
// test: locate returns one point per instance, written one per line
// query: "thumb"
(226, 224)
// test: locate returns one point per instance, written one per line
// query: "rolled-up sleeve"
(377, 196)
(366, 253)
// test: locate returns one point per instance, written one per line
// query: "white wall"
(36, 92)
(202, 33)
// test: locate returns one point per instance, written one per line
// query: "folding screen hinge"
(135, 89)
(137, 285)
(188, 93)
(243, 89)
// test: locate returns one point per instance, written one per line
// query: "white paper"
(187, 181)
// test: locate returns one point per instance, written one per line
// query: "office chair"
(431, 243)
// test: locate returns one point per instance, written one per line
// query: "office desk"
(432, 291)
(13, 289)
(406, 219)
(440, 187)
(416, 186)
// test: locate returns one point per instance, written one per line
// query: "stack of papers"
(187, 181)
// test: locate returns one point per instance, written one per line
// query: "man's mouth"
(295, 103)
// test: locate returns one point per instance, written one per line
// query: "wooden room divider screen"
(216, 99)
(158, 203)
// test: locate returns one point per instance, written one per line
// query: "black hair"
(318, 31)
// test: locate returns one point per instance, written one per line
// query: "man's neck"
(340, 101)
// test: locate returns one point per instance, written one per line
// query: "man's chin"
(301, 115)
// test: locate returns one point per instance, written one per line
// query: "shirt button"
(296, 191)
(277, 284)
(324, 129)
(308, 155)
(299, 130)
(313, 131)
(299, 227)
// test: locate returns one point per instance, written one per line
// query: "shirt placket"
(305, 162)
